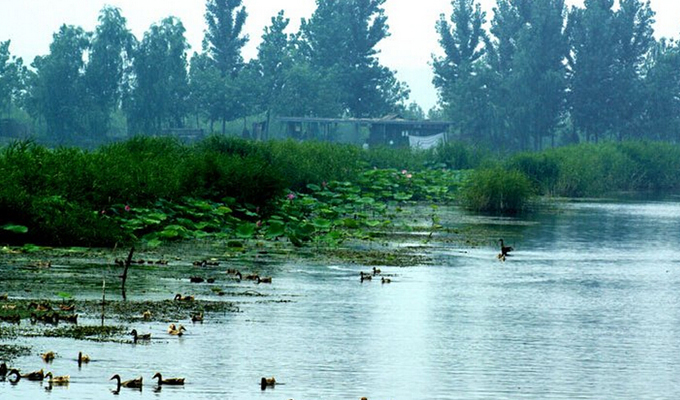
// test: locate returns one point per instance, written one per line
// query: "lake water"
(588, 307)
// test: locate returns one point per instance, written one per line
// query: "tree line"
(544, 74)
(536, 74)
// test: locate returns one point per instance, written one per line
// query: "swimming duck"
(31, 376)
(58, 380)
(146, 314)
(83, 358)
(179, 297)
(179, 331)
(132, 383)
(385, 280)
(168, 381)
(197, 317)
(365, 276)
(376, 271)
(251, 277)
(264, 279)
(136, 336)
(48, 357)
(504, 249)
(265, 382)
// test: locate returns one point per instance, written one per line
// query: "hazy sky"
(31, 23)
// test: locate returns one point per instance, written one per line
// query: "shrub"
(496, 190)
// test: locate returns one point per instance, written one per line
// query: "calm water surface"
(587, 308)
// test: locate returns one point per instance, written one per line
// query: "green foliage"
(497, 190)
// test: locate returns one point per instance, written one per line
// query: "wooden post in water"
(103, 299)
(128, 261)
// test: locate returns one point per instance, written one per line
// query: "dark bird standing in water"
(504, 250)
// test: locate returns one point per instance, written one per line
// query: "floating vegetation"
(9, 352)
(93, 332)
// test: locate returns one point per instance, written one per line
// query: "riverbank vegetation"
(158, 189)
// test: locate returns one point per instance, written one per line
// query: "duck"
(267, 382)
(264, 279)
(198, 317)
(31, 376)
(179, 297)
(58, 380)
(168, 381)
(146, 314)
(505, 249)
(72, 318)
(179, 331)
(48, 356)
(376, 271)
(83, 358)
(385, 280)
(3, 370)
(132, 383)
(365, 276)
(136, 336)
(251, 277)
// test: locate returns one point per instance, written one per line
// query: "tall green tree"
(340, 40)
(608, 50)
(459, 75)
(12, 79)
(662, 92)
(160, 88)
(221, 61)
(58, 87)
(531, 49)
(109, 59)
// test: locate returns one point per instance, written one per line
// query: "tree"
(12, 78)
(340, 40)
(221, 61)
(275, 60)
(662, 92)
(160, 88)
(528, 58)
(608, 50)
(459, 74)
(57, 87)
(109, 58)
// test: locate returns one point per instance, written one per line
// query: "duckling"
(171, 328)
(136, 336)
(385, 280)
(501, 257)
(48, 356)
(146, 314)
(168, 381)
(31, 376)
(4, 297)
(197, 317)
(83, 358)
(267, 382)
(251, 277)
(132, 383)
(179, 331)
(179, 297)
(72, 318)
(67, 307)
(58, 380)
(376, 271)
(264, 279)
